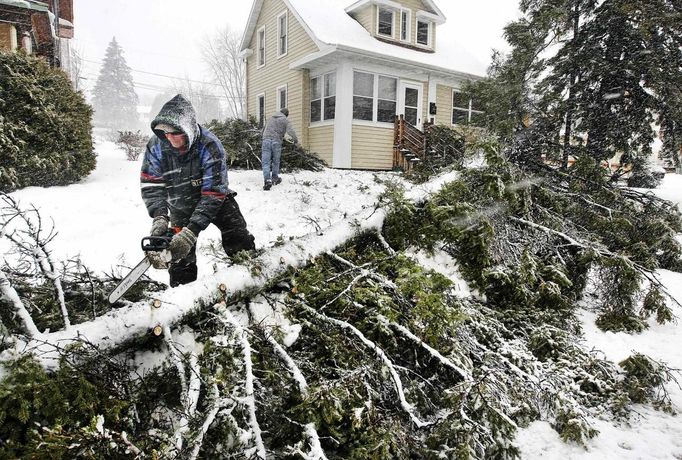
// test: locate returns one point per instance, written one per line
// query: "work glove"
(182, 243)
(159, 259)
(159, 226)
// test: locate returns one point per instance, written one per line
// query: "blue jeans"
(271, 152)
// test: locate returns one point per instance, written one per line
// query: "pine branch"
(397, 382)
(121, 326)
(249, 399)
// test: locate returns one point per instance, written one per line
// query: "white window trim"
(469, 110)
(408, 35)
(258, 47)
(279, 34)
(286, 96)
(392, 10)
(429, 39)
(375, 100)
(322, 121)
(260, 115)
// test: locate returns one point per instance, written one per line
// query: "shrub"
(45, 128)
(132, 142)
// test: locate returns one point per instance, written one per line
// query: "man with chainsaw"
(184, 185)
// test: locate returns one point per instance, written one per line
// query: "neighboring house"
(346, 69)
(43, 28)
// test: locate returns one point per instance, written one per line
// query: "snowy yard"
(103, 218)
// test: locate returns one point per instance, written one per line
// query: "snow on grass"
(103, 218)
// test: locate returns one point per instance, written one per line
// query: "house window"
(465, 111)
(260, 114)
(374, 94)
(405, 25)
(423, 33)
(385, 19)
(363, 96)
(386, 104)
(282, 33)
(261, 47)
(323, 97)
(281, 97)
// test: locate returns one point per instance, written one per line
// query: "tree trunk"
(122, 326)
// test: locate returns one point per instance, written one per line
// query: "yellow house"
(348, 70)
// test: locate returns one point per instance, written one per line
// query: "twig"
(407, 407)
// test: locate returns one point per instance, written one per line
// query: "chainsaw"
(149, 244)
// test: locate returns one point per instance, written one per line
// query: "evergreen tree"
(615, 71)
(114, 98)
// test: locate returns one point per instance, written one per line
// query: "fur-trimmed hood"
(178, 113)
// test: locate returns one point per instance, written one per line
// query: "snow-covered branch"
(249, 399)
(122, 325)
(397, 381)
(8, 293)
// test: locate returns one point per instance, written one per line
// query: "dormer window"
(423, 32)
(405, 21)
(385, 22)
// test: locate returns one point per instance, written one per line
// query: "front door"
(410, 103)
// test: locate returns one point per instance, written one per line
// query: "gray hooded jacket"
(278, 125)
(191, 185)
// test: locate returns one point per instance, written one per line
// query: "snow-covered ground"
(103, 218)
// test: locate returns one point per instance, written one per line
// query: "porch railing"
(409, 143)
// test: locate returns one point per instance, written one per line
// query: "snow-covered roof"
(28, 4)
(332, 28)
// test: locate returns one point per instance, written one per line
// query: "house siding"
(366, 18)
(372, 147)
(321, 140)
(276, 70)
(444, 104)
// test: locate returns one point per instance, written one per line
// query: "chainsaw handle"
(155, 243)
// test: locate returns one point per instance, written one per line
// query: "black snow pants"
(235, 238)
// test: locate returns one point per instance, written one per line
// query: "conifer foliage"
(593, 77)
(114, 98)
(45, 128)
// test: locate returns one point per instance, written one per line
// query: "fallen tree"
(342, 345)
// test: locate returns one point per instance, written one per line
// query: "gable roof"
(332, 28)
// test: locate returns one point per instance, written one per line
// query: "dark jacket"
(191, 185)
(278, 125)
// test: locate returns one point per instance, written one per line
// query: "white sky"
(164, 36)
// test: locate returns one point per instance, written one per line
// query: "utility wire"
(158, 74)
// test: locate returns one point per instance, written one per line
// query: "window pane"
(422, 33)
(363, 84)
(385, 21)
(282, 98)
(282, 35)
(476, 105)
(411, 115)
(329, 108)
(316, 110)
(387, 88)
(477, 119)
(330, 85)
(315, 85)
(386, 111)
(403, 25)
(460, 100)
(362, 108)
(261, 110)
(459, 117)
(411, 97)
